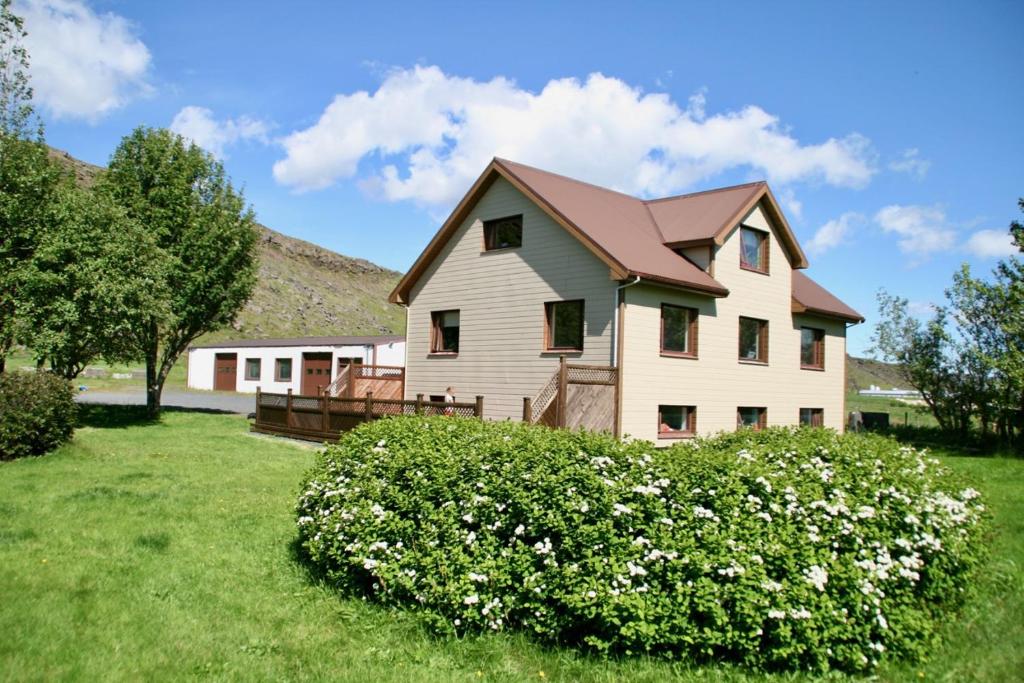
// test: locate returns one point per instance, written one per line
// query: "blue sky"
(891, 132)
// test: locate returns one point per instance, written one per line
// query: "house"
(305, 365)
(699, 301)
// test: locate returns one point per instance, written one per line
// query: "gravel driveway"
(231, 403)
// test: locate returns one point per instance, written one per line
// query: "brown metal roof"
(810, 297)
(302, 341)
(702, 215)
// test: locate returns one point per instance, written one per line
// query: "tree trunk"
(3, 364)
(153, 387)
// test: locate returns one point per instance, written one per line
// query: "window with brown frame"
(676, 422)
(754, 418)
(678, 331)
(563, 329)
(812, 348)
(283, 369)
(753, 340)
(753, 250)
(812, 417)
(252, 369)
(444, 337)
(503, 233)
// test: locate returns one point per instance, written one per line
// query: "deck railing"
(324, 418)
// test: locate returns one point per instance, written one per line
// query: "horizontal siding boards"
(501, 296)
(718, 383)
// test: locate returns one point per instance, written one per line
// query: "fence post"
(419, 404)
(478, 410)
(368, 414)
(563, 390)
(527, 409)
(258, 392)
(325, 418)
(288, 411)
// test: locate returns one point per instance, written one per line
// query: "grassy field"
(164, 551)
(177, 379)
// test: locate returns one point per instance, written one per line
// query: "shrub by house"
(37, 413)
(777, 549)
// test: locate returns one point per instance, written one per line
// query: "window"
(564, 325)
(678, 331)
(503, 233)
(676, 421)
(753, 250)
(812, 348)
(753, 340)
(812, 417)
(755, 418)
(252, 369)
(445, 336)
(283, 369)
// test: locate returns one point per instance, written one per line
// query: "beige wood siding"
(717, 383)
(501, 296)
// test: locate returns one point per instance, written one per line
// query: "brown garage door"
(225, 372)
(316, 373)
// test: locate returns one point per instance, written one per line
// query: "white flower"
(816, 576)
(471, 599)
(479, 578)
(641, 541)
(369, 563)
(666, 521)
(635, 569)
(519, 530)
(620, 509)
(467, 518)
(771, 586)
(776, 614)
(591, 594)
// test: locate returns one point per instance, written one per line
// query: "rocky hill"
(861, 373)
(303, 289)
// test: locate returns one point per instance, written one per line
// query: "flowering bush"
(777, 549)
(37, 413)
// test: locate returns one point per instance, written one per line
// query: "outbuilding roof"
(302, 341)
(634, 237)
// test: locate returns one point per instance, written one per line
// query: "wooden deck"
(325, 418)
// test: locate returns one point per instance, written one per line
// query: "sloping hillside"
(303, 289)
(861, 373)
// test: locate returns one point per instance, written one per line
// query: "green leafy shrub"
(37, 413)
(777, 549)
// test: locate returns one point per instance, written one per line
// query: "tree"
(205, 235)
(94, 277)
(27, 177)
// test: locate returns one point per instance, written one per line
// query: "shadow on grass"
(114, 416)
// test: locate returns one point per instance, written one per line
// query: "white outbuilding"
(306, 365)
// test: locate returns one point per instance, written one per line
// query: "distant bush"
(780, 549)
(37, 413)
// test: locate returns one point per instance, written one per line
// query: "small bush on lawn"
(37, 413)
(778, 549)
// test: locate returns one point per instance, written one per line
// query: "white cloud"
(922, 230)
(436, 132)
(834, 233)
(199, 125)
(991, 244)
(83, 64)
(911, 164)
(794, 207)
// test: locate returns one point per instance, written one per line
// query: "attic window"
(753, 250)
(503, 233)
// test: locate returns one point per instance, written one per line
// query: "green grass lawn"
(164, 551)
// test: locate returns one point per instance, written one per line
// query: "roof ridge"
(570, 179)
(701, 192)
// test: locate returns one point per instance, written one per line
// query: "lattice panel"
(544, 398)
(590, 375)
(306, 403)
(273, 401)
(379, 372)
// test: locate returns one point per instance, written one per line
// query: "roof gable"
(634, 237)
(810, 297)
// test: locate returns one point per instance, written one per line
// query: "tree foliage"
(968, 359)
(95, 273)
(204, 233)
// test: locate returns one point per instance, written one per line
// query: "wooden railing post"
(368, 414)
(258, 392)
(288, 411)
(563, 391)
(478, 409)
(419, 404)
(527, 409)
(325, 418)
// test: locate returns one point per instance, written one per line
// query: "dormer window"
(503, 233)
(753, 250)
